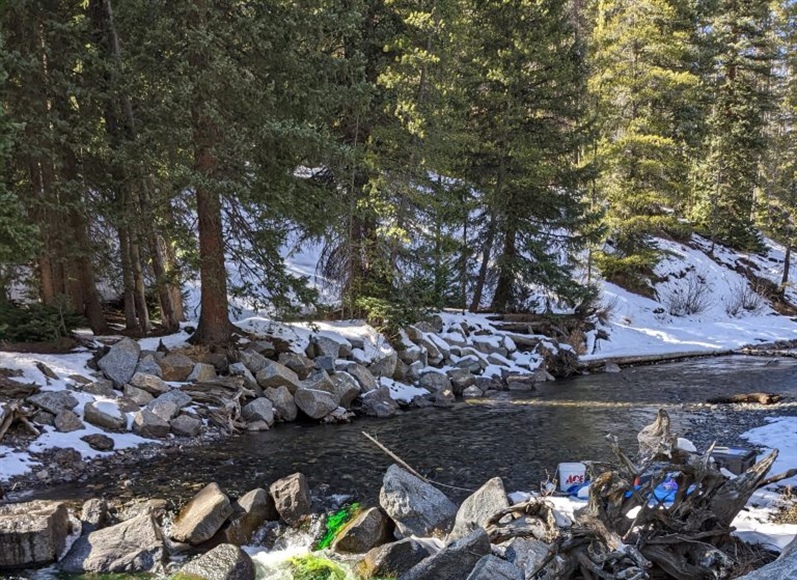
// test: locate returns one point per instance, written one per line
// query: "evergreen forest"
(473, 154)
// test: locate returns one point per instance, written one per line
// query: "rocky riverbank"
(414, 533)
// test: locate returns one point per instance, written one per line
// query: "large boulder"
(261, 409)
(120, 363)
(94, 515)
(249, 513)
(284, 404)
(474, 512)
(325, 346)
(152, 384)
(277, 375)
(343, 388)
(493, 568)
(417, 507)
(148, 424)
(202, 372)
(167, 405)
(176, 367)
(385, 365)
(250, 382)
(529, 554)
(185, 426)
(99, 442)
(252, 360)
(32, 534)
(202, 517)
(139, 396)
(149, 366)
(292, 497)
(369, 529)
(784, 568)
(298, 363)
(66, 421)
(54, 401)
(315, 404)
(434, 382)
(105, 414)
(133, 546)
(362, 375)
(379, 403)
(224, 562)
(394, 559)
(457, 560)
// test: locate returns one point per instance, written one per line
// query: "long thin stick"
(406, 466)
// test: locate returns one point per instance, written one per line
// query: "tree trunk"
(214, 326)
(786, 267)
(128, 283)
(487, 251)
(142, 312)
(169, 319)
(504, 298)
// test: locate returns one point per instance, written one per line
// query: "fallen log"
(760, 398)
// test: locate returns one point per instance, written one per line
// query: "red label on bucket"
(574, 478)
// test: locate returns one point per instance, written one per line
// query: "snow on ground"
(640, 326)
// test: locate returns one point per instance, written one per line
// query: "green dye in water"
(335, 523)
(311, 567)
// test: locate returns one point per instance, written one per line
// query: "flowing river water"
(518, 436)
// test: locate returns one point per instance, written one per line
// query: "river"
(518, 436)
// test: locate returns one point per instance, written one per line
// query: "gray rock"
(385, 365)
(105, 414)
(239, 370)
(457, 560)
(470, 363)
(32, 534)
(277, 375)
(434, 382)
(324, 363)
(318, 380)
(148, 424)
(249, 513)
(460, 379)
(443, 399)
(99, 442)
(252, 360)
(130, 547)
(140, 396)
(610, 367)
(486, 344)
(379, 403)
(292, 498)
(147, 365)
(298, 363)
(94, 515)
(126, 404)
(417, 507)
(264, 347)
(54, 401)
(102, 387)
(488, 383)
(784, 568)
(493, 568)
(201, 373)
(41, 417)
(285, 407)
(394, 559)
(176, 367)
(433, 354)
(202, 517)
(224, 562)
(528, 554)
(473, 392)
(483, 503)
(343, 388)
(521, 382)
(150, 383)
(410, 355)
(261, 409)
(368, 530)
(325, 346)
(185, 426)
(362, 375)
(120, 363)
(169, 404)
(67, 421)
(496, 359)
(315, 404)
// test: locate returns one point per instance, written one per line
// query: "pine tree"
(740, 86)
(645, 90)
(524, 77)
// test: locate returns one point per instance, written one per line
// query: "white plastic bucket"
(571, 474)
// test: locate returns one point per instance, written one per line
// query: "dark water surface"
(516, 436)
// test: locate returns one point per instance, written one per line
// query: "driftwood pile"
(626, 533)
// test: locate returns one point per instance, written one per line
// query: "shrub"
(744, 298)
(692, 295)
(37, 322)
